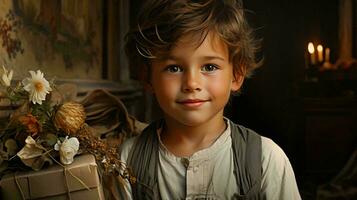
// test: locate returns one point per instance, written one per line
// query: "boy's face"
(193, 84)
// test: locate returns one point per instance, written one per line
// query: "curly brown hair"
(161, 23)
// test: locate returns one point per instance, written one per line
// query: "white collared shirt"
(208, 173)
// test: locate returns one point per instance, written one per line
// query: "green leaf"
(51, 139)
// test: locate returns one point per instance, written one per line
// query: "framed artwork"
(78, 42)
(62, 38)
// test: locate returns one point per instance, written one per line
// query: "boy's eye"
(209, 68)
(173, 68)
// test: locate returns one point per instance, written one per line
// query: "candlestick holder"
(311, 72)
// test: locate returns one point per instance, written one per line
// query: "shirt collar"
(222, 142)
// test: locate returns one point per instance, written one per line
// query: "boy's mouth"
(192, 102)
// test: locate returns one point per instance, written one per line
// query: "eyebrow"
(213, 58)
(170, 57)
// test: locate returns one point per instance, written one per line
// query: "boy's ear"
(237, 82)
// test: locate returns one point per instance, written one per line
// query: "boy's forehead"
(196, 40)
(193, 42)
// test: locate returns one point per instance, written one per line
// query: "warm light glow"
(320, 56)
(327, 54)
(311, 48)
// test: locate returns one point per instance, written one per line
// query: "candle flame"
(319, 47)
(311, 48)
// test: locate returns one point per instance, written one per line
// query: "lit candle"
(320, 51)
(327, 55)
(311, 50)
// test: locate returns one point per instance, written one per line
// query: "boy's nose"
(191, 82)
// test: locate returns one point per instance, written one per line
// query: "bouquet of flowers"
(42, 131)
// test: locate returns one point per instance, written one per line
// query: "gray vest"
(246, 144)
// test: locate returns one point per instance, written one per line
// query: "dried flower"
(11, 146)
(30, 151)
(6, 77)
(31, 123)
(67, 149)
(37, 86)
(70, 117)
(42, 122)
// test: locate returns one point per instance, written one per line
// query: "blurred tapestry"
(62, 38)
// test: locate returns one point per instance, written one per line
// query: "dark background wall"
(271, 102)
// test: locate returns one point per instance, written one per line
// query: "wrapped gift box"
(78, 180)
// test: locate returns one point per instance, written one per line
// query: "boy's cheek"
(163, 87)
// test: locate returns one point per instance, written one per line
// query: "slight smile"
(192, 102)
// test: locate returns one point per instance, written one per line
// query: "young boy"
(192, 56)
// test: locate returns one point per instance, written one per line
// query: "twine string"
(65, 170)
(66, 183)
(18, 186)
(74, 176)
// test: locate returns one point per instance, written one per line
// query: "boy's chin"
(189, 121)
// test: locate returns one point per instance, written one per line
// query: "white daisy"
(6, 77)
(37, 87)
